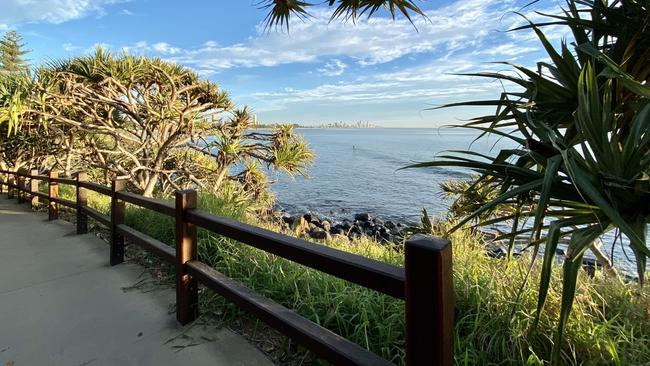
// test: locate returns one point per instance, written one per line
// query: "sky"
(383, 71)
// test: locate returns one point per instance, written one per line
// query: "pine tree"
(12, 52)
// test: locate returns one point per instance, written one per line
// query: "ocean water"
(359, 170)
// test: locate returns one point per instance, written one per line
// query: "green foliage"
(11, 54)
(583, 163)
(280, 11)
(493, 312)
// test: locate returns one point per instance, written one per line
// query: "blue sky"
(377, 70)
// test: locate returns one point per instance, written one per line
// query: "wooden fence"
(425, 281)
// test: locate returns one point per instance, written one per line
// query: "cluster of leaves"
(582, 124)
(152, 122)
(280, 11)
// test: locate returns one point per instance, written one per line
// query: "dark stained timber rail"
(162, 250)
(64, 202)
(69, 181)
(100, 217)
(96, 187)
(160, 206)
(41, 195)
(379, 276)
(425, 281)
(328, 345)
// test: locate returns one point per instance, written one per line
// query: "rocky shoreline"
(362, 224)
(389, 232)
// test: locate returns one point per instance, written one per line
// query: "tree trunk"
(151, 185)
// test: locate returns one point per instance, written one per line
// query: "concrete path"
(61, 304)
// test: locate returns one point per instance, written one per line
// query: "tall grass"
(493, 310)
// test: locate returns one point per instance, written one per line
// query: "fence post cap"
(185, 191)
(428, 242)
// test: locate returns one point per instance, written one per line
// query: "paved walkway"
(61, 304)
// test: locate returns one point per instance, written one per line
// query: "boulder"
(337, 230)
(495, 251)
(390, 225)
(379, 221)
(318, 233)
(310, 217)
(326, 225)
(299, 225)
(362, 217)
(346, 225)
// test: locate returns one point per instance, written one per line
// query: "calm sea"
(358, 170)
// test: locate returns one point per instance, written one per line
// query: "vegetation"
(152, 122)
(611, 324)
(12, 53)
(582, 167)
(280, 11)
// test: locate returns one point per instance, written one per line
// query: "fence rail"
(425, 281)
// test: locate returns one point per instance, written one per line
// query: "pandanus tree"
(581, 124)
(23, 141)
(154, 123)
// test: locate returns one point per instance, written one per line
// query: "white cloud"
(127, 12)
(333, 67)
(50, 11)
(378, 40)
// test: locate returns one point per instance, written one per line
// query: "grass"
(610, 323)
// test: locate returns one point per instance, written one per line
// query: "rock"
(386, 236)
(379, 221)
(367, 225)
(339, 237)
(495, 251)
(390, 225)
(288, 219)
(362, 217)
(356, 230)
(346, 225)
(337, 230)
(299, 225)
(326, 225)
(310, 217)
(380, 229)
(318, 233)
(313, 226)
(353, 235)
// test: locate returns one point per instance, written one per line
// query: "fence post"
(33, 189)
(117, 217)
(10, 182)
(2, 183)
(429, 301)
(187, 295)
(52, 193)
(21, 186)
(82, 202)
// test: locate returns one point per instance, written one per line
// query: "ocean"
(359, 170)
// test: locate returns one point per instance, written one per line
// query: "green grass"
(610, 323)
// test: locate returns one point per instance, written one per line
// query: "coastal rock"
(390, 225)
(378, 221)
(325, 225)
(310, 217)
(337, 230)
(346, 225)
(362, 217)
(495, 251)
(367, 225)
(299, 225)
(318, 233)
